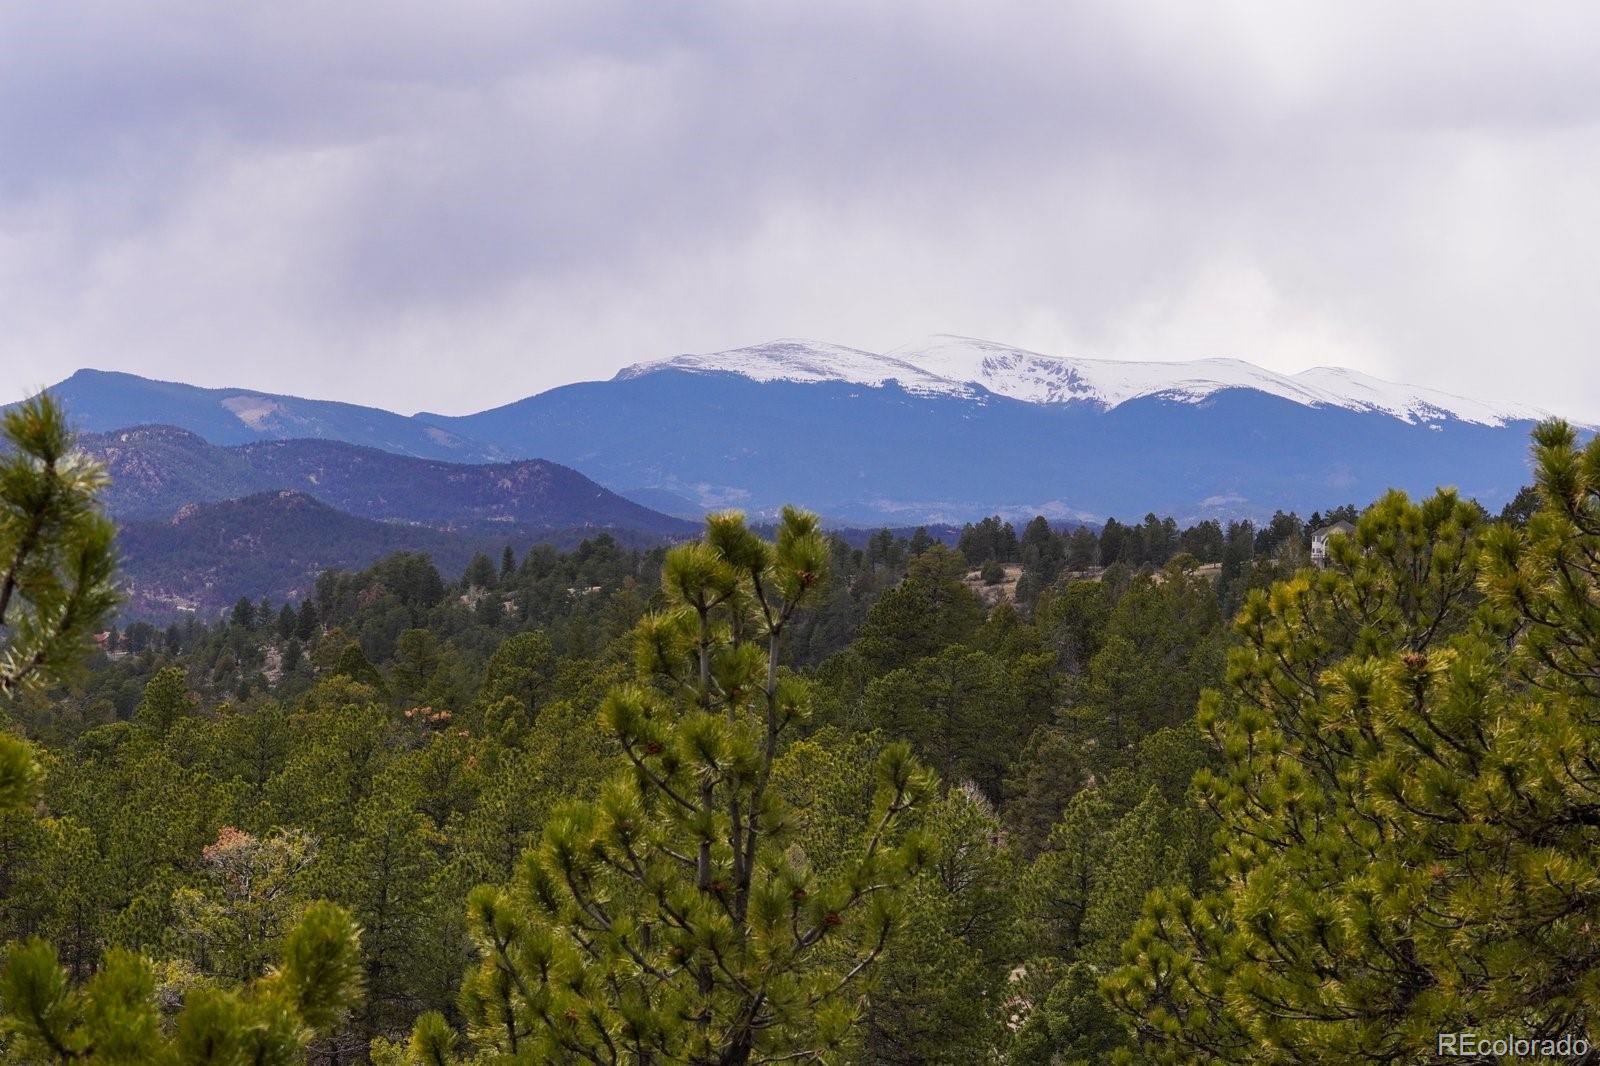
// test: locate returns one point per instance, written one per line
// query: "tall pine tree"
(671, 921)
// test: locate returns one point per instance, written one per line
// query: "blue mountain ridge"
(100, 401)
(870, 454)
(689, 440)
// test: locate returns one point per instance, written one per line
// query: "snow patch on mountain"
(252, 410)
(950, 365)
(808, 362)
(1413, 403)
(1038, 378)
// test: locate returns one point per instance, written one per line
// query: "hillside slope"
(274, 544)
(157, 469)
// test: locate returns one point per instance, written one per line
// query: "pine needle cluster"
(57, 553)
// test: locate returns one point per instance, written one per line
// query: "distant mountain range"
(156, 469)
(954, 428)
(969, 368)
(947, 429)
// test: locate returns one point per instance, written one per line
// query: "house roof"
(1328, 531)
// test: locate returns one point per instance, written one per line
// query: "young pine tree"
(56, 564)
(116, 1016)
(671, 921)
(1410, 797)
(57, 555)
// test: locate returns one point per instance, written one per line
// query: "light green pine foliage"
(57, 553)
(671, 920)
(1408, 797)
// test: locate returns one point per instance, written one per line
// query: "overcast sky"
(448, 206)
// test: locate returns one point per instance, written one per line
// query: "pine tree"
(1204, 541)
(670, 921)
(1083, 548)
(57, 554)
(1114, 541)
(354, 664)
(480, 573)
(1521, 507)
(230, 922)
(58, 560)
(166, 699)
(928, 611)
(522, 668)
(957, 710)
(1159, 646)
(938, 996)
(880, 548)
(286, 621)
(1118, 838)
(1409, 828)
(416, 660)
(387, 876)
(116, 1016)
(309, 624)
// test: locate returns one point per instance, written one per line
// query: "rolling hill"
(274, 544)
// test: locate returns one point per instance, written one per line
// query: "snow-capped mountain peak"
(945, 364)
(793, 359)
(1039, 378)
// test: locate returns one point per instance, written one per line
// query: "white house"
(1319, 541)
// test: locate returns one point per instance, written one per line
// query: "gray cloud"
(446, 207)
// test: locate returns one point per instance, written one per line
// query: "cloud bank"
(445, 207)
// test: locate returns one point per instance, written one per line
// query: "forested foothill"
(1152, 794)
